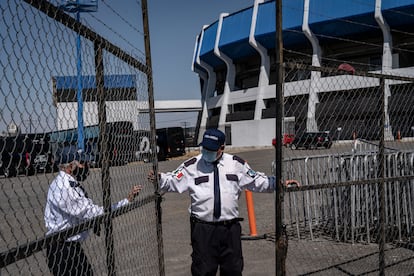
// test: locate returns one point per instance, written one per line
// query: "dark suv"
(312, 140)
(171, 142)
(16, 157)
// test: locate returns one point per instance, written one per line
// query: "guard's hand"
(134, 192)
(151, 176)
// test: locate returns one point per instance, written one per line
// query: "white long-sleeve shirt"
(67, 205)
(196, 176)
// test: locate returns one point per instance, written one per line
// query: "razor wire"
(39, 118)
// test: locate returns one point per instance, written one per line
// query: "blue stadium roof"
(89, 82)
(327, 19)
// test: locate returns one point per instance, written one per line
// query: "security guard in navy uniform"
(214, 181)
(68, 205)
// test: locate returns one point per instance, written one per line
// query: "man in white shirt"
(214, 181)
(68, 205)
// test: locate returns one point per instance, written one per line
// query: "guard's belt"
(222, 222)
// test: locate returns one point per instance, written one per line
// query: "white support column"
(204, 111)
(264, 65)
(230, 76)
(311, 124)
(209, 85)
(386, 65)
(204, 76)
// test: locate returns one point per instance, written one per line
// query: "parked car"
(67, 149)
(41, 163)
(287, 140)
(143, 150)
(43, 160)
(170, 142)
(16, 156)
(312, 140)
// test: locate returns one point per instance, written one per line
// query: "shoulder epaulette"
(190, 162)
(235, 157)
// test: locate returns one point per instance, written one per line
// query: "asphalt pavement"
(316, 255)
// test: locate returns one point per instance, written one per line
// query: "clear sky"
(174, 26)
(173, 30)
(32, 41)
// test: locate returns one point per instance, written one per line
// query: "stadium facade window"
(220, 81)
(247, 73)
(241, 111)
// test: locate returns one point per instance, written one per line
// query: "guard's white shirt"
(67, 205)
(196, 176)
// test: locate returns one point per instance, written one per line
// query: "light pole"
(32, 124)
(185, 128)
(79, 6)
(339, 129)
(30, 121)
(185, 133)
(79, 97)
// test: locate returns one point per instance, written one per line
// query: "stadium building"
(234, 58)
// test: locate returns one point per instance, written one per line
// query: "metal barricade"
(341, 199)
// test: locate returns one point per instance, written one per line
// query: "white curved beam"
(230, 76)
(264, 63)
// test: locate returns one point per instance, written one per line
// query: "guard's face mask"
(81, 173)
(208, 155)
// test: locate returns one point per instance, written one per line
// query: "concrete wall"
(67, 113)
(241, 133)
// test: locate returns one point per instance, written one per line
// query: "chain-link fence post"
(381, 161)
(153, 134)
(281, 237)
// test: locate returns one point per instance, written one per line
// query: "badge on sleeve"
(178, 174)
(251, 173)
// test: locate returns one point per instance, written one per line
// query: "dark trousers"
(67, 258)
(216, 246)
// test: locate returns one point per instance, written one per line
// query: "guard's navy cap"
(71, 153)
(213, 139)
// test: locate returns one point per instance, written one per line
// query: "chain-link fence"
(349, 171)
(349, 168)
(68, 82)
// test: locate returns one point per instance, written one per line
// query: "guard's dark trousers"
(67, 258)
(216, 246)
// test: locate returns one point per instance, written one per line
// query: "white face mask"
(208, 155)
